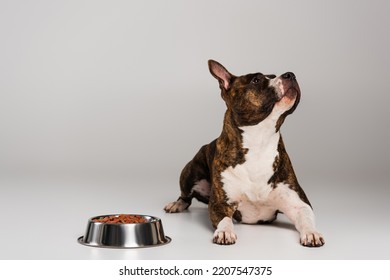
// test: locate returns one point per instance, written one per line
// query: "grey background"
(103, 102)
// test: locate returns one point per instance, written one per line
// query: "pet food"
(121, 219)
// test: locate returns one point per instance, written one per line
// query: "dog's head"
(253, 97)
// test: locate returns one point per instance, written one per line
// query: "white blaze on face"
(277, 84)
(285, 103)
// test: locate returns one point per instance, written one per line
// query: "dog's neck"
(260, 133)
(263, 135)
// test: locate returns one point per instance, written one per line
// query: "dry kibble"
(121, 219)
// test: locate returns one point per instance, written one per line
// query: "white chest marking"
(249, 181)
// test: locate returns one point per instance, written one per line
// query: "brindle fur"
(249, 101)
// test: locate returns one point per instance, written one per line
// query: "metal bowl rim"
(150, 219)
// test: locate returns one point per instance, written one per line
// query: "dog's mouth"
(287, 89)
(291, 93)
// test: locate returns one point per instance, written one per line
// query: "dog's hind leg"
(194, 181)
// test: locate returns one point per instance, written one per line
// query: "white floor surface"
(43, 217)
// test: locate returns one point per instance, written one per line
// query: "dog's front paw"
(224, 234)
(176, 206)
(312, 239)
(224, 237)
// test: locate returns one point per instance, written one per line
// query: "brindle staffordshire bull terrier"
(245, 174)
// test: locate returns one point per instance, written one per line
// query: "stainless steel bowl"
(136, 235)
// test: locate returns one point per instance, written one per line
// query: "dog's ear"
(221, 74)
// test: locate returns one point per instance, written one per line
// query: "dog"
(245, 175)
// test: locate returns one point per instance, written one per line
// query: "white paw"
(224, 237)
(176, 206)
(224, 234)
(312, 239)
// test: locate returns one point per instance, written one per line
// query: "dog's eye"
(255, 80)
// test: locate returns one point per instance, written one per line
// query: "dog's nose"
(288, 76)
